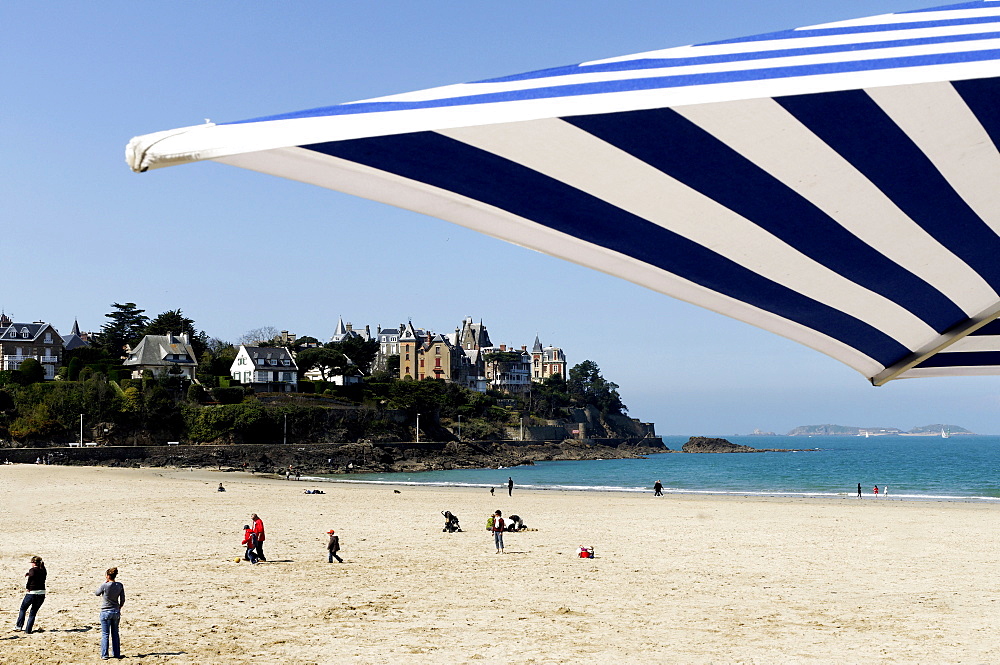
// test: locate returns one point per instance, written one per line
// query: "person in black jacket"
(35, 595)
(333, 547)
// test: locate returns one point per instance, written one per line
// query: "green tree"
(361, 352)
(174, 321)
(305, 342)
(31, 371)
(329, 362)
(587, 386)
(125, 326)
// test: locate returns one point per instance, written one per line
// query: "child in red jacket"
(250, 542)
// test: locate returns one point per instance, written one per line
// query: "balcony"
(19, 358)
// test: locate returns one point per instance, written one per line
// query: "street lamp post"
(81, 430)
(418, 428)
(460, 428)
(284, 439)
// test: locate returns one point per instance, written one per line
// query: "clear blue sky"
(236, 250)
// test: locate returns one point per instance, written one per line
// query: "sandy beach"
(677, 579)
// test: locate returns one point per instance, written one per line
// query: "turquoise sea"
(915, 468)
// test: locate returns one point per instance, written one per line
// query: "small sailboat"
(944, 433)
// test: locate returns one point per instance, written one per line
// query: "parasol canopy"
(837, 184)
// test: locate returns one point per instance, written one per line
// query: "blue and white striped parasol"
(837, 184)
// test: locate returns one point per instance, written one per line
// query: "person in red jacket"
(249, 541)
(258, 529)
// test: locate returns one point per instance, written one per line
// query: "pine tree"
(126, 326)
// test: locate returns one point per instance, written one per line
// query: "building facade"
(266, 369)
(546, 362)
(38, 340)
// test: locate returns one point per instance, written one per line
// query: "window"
(48, 338)
(437, 362)
(421, 362)
(286, 376)
(437, 350)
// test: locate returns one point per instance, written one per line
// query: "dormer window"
(24, 332)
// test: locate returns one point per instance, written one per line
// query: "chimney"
(186, 338)
(503, 347)
(350, 327)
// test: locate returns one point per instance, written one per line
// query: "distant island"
(847, 430)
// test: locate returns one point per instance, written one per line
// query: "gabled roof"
(161, 350)
(33, 330)
(264, 356)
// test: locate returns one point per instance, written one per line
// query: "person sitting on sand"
(221, 488)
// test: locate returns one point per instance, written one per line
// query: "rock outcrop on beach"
(703, 444)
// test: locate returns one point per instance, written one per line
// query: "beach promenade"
(677, 579)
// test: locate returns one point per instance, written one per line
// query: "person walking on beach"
(112, 595)
(859, 490)
(498, 528)
(510, 486)
(875, 491)
(333, 547)
(35, 595)
(249, 542)
(885, 491)
(258, 529)
(657, 488)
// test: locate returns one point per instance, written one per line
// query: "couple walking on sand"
(112, 595)
(253, 539)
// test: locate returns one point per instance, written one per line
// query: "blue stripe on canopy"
(855, 30)
(632, 85)
(835, 184)
(665, 63)
(680, 149)
(442, 162)
(853, 125)
(982, 96)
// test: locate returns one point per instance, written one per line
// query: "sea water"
(925, 467)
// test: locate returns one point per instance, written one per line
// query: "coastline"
(734, 494)
(683, 578)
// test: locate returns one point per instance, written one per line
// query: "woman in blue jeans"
(498, 528)
(35, 595)
(112, 595)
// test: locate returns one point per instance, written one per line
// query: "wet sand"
(677, 579)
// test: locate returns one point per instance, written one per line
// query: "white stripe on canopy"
(835, 184)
